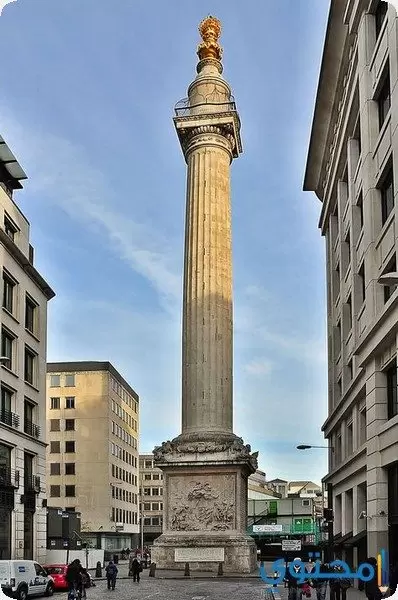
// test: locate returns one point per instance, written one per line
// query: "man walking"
(136, 569)
(111, 574)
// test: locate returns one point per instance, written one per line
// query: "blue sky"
(86, 104)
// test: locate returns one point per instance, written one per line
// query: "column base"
(238, 551)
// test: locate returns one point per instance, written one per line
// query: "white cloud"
(259, 367)
(61, 172)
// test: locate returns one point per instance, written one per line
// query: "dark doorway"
(28, 535)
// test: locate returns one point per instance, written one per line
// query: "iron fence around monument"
(184, 108)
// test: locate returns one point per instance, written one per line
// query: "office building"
(23, 378)
(92, 456)
(152, 498)
(353, 169)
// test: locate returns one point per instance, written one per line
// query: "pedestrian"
(294, 588)
(339, 587)
(136, 569)
(372, 590)
(320, 584)
(74, 579)
(111, 574)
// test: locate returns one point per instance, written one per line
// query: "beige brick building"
(151, 498)
(92, 457)
(353, 169)
(23, 378)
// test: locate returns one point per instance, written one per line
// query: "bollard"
(152, 570)
(187, 572)
(98, 569)
(220, 570)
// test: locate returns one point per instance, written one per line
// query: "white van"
(22, 579)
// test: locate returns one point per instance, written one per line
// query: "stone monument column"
(207, 466)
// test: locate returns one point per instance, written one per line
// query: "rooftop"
(11, 166)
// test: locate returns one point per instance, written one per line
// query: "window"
(70, 447)
(70, 491)
(55, 491)
(362, 427)
(389, 289)
(30, 314)
(6, 399)
(362, 289)
(155, 521)
(155, 505)
(348, 250)
(155, 476)
(155, 491)
(7, 347)
(305, 502)
(8, 293)
(349, 312)
(10, 228)
(55, 469)
(148, 464)
(387, 196)
(349, 440)
(55, 380)
(338, 449)
(55, 425)
(54, 403)
(380, 15)
(392, 398)
(69, 424)
(30, 366)
(384, 99)
(147, 491)
(147, 520)
(360, 211)
(147, 506)
(70, 402)
(70, 469)
(29, 412)
(55, 447)
(70, 380)
(147, 477)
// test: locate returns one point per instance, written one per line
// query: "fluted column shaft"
(207, 304)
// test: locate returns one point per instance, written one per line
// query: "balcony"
(184, 108)
(32, 483)
(9, 478)
(9, 418)
(32, 429)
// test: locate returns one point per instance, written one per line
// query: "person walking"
(294, 589)
(372, 590)
(74, 579)
(136, 569)
(339, 587)
(320, 584)
(111, 574)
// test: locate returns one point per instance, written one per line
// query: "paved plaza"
(246, 588)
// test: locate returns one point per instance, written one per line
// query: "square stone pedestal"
(205, 507)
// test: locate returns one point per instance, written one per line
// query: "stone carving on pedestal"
(202, 509)
(236, 449)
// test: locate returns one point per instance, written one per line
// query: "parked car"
(58, 573)
(22, 579)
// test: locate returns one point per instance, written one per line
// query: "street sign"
(291, 545)
(267, 528)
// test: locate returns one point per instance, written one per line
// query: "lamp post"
(329, 514)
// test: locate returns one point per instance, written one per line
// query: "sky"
(86, 104)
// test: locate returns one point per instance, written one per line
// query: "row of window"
(153, 521)
(10, 418)
(338, 455)
(70, 447)
(125, 416)
(125, 456)
(55, 425)
(124, 495)
(124, 435)
(153, 491)
(68, 380)
(70, 403)
(55, 491)
(9, 342)
(123, 394)
(120, 515)
(123, 475)
(153, 506)
(146, 464)
(11, 304)
(69, 469)
(153, 476)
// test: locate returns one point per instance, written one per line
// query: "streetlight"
(330, 501)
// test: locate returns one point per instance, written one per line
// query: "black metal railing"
(9, 478)
(184, 108)
(9, 418)
(32, 483)
(32, 429)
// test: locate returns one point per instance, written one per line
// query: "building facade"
(92, 456)
(151, 507)
(23, 378)
(353, 169)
